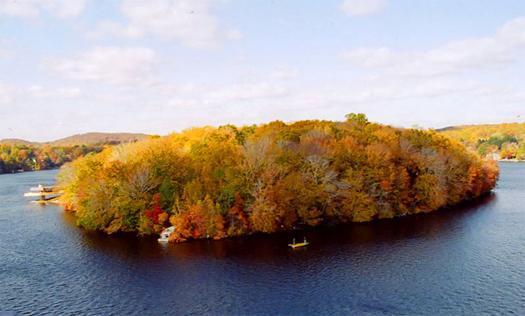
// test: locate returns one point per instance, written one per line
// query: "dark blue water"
(469, 260)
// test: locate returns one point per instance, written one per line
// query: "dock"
(45, 194)
(295, 245)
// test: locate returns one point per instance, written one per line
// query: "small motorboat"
(294, 245)
(165, 235)
(42, 188)
(45, 194)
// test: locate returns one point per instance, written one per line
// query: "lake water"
(468, 260)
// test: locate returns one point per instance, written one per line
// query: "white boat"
(35, 194)
(165, 235)
(42, 188)
(43, 193)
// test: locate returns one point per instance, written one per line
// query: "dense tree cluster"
(503, 141)
(228, 181)
(14, 158)
(503, 146)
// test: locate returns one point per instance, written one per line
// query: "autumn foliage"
(230, 181)
(15, 158)
(501, 141)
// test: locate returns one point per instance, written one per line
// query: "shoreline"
(26, 171)
(510, 160)
(466, 204)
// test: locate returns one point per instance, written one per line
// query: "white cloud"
(6, 94)
(191, 22)
(234, 34)
(284, 73)
(38, 91)
(33, 8)
(4, 54)
(12, 94)
(362, 7)
(504, 47)
(114, 65)
(373, 91)
(245, 92)
(115, 29)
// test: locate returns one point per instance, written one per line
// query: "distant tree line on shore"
(17, 158)
(500, 141)
(502, 146)
(230, 181)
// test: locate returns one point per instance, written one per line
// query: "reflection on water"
(468, 259)
(269, 247)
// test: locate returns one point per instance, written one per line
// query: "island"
(218, 182)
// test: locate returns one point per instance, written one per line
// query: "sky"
(160, 66)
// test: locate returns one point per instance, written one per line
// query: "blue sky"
(74, 66)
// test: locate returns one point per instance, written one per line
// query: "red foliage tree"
(155, 210)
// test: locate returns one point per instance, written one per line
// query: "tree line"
(229, 181)
(501, 141)
(17, 158)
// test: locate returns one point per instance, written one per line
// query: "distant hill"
(21, 155)
(88, 139)
(16, 142)
(504, 141)
(99, 139)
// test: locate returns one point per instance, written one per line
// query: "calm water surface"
(469, 260)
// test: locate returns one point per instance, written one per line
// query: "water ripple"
(463, 261)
